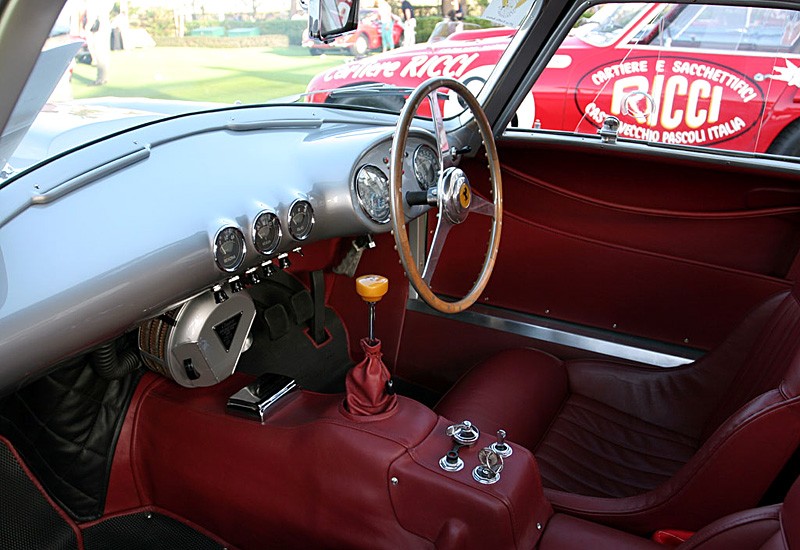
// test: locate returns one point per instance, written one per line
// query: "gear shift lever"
(372, 288)
(367, 382)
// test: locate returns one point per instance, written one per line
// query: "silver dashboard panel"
(106, 236)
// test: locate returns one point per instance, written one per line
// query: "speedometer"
(426, 166)
(372, 188)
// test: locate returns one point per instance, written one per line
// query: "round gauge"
(372, 188)
(301, 220)
(267, 232)
(426, 166)
(229, 248)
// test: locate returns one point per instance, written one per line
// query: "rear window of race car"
(725, 77)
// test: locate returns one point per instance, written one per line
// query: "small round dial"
(301, 220)
(266, 232)
(229, 249)
(372, 188)
(426, 166)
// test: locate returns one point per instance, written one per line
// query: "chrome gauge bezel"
(218, 248)
(274, 247)
(423, 185)
(362, 202)
(300, 236)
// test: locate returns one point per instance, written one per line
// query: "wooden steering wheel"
(452, 195)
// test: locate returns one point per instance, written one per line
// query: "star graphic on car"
(789, 74)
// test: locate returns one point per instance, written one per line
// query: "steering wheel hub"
(456, 197)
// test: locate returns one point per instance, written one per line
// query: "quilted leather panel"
(591, 449)
(65, 427)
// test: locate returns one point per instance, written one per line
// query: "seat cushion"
(492, 395)
(582, 445)
(593, 449)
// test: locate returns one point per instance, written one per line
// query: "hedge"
(293, 29)
(425, 25)
(265, 40)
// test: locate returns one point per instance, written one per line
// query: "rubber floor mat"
(145, 531)
(27, 519)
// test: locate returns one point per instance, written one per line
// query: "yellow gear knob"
(372, 288)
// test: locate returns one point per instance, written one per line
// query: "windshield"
(607, 24)
(108, 66)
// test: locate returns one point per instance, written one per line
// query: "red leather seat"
(647, 448)
(768, 528)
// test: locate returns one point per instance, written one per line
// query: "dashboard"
(125, 229)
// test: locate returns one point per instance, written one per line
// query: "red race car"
(718, 76)
(365, 38)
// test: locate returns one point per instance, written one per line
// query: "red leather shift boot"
(366, 384)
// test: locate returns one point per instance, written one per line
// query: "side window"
(726, 28)
(724, 77)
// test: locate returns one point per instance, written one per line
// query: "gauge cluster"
(231, 248)
(272, 231)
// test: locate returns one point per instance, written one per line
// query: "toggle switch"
(500, 446)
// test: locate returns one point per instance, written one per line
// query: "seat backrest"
(766, 528)
(790, 517)
(772, 358)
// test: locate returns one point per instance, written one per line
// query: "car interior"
(219, 338)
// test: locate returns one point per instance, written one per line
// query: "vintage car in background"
(366, 37)
(694, 75)
(404, 319)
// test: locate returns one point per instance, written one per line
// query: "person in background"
(454, 23)
(409, 24)
(387, 25)
(98, 36)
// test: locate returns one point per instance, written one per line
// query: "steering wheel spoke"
(455, 199)
(443, 228)
(443, 144)
(481, 206)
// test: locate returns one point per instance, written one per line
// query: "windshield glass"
(111, 65)
(607, 24)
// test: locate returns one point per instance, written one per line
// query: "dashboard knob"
(284, 262)
(236, 284)
(219, 294)
(269, 269)
(253, 277)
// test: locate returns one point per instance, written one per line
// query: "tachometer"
(372, 189)
(426, 166)
(267, 232)
(229, 248)
(301, 220)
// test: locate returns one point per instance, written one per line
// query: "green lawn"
(249, 75)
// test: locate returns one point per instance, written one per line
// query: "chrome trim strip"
(92, 175)
(299, 124)
(78, 181)
(570, 335)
